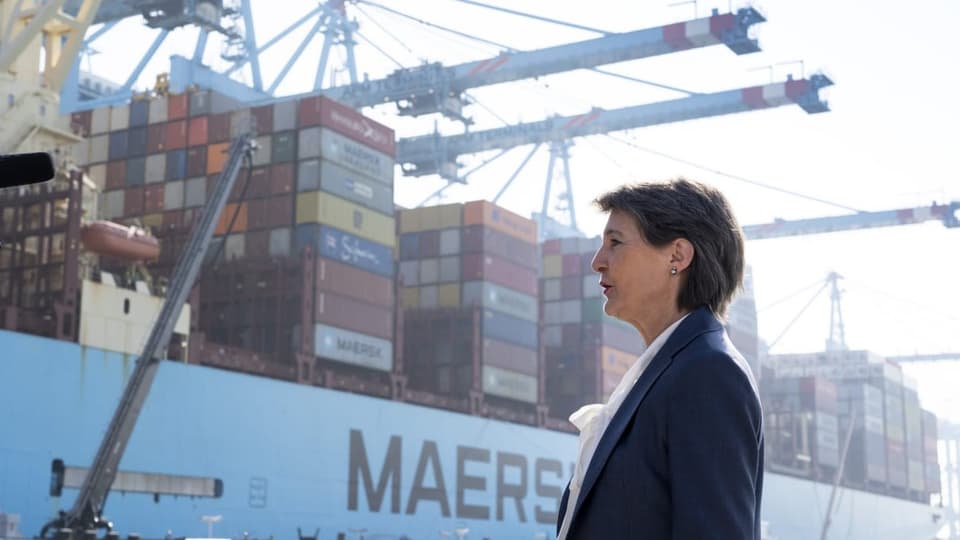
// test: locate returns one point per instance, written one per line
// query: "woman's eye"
(614, 242)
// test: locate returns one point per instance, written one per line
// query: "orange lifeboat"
(115, 240)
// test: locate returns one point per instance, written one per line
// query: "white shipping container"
(429, 296)
(449, 241)
(551, 289)
(410, 272)
(119, 117)
(449, 269)
(280, 242)
(173, 195)
(235, 246)
(262, 155)
(195, 192)
(99, 148)
(158, 110)
(156, 168)
(429, 270)
(284, 115)
(100, 121)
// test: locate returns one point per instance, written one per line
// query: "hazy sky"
(888, 142)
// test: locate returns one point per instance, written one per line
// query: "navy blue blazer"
(683, 456)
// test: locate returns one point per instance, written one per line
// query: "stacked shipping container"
(800, 425)
(587, 352)
(472, 266)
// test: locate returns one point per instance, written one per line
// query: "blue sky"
(889, 141)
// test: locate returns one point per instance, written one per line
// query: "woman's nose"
(599, 262)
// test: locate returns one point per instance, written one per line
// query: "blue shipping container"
(409, 246)
(176, 164)
(139, 113)
(509, 329)
(346, 248)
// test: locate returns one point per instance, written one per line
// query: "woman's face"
(635, 276)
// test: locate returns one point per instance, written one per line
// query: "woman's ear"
(683, 253)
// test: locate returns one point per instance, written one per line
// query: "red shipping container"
(259, 183)
(156, 138)
(218, 128)
(116, 174)
(349, 281)
(344, 312)
(133, 202)
(196, 161)
(571, 287)
(281, 179)
(477, 266)
(176, 106)
(551, 247)
(586, 263)
(173, 220)
(257, 214)
(263, 119)
(80, 122)
(153, 198)
(197, 131)
(323, 111)
(570, 265)
(258, 244)
(429, 244)
(176, 135)
(280, 211)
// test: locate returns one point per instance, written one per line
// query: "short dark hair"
(680, 208)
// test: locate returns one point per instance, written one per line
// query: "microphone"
(24, 169)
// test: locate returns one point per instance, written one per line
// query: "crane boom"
(86, 511)
(437, 154)
(435, 88)
(946, 213)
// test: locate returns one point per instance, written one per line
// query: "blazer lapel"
(699, 321)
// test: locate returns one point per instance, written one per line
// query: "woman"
(677, 450)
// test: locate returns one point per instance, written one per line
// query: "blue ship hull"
(296, 456)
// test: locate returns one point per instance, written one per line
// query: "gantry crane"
(945, 213)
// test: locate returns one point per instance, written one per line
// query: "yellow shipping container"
(449, 295)
(490, 215)
(152, 220)
(552, 266)
(320, 207)
(410, 297)
(431, 218)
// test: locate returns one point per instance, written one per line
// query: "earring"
(673, 270)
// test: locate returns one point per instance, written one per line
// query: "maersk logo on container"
(362, 190)
(487, 484)
(353, 348)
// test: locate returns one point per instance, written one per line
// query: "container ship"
(348, 369)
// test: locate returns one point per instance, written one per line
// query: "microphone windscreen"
(24, 169)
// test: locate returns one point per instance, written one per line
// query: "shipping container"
(218, 128)
(344, 247)
(234, 247)
(100, 120)
(176, 135)
(508, 384)
(346, 184)
(344, 312)
(571, 287)
(279, 242)
(323, 111)
(197, 131)
(352, 348)
(158, 110)
(348, 153)
(481, 267)
(308, 175)
(428, 271)
(99, 148)
(504, 355)
(450, 242)
(137, 142)
(136, 171)
(284, 146)
(284, 115)
(409, 297)
(113, 203)
(319, 207)
(409, 273)
(176, 164)
(133, 202)
(429, 243)
(262, 118)
(176, 106)
(233, 214)
(613, 333)
(263, 155)
(409, 246)
(449, 270)
(217, 157)
(153, 198)
(562, 312)
(429, 297)
(116, 174)
(491, 215)
(98, 173)
(552, 266)
(156, 168)
(281, 179)
(448, 295)
(156, 138)
(510, 329)
(173, 195)
(195, 192)
(570, 265)
(446, 216)
(119, 118)
(339, 278)
(501, 299)
(118, 145)
(196, 161)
